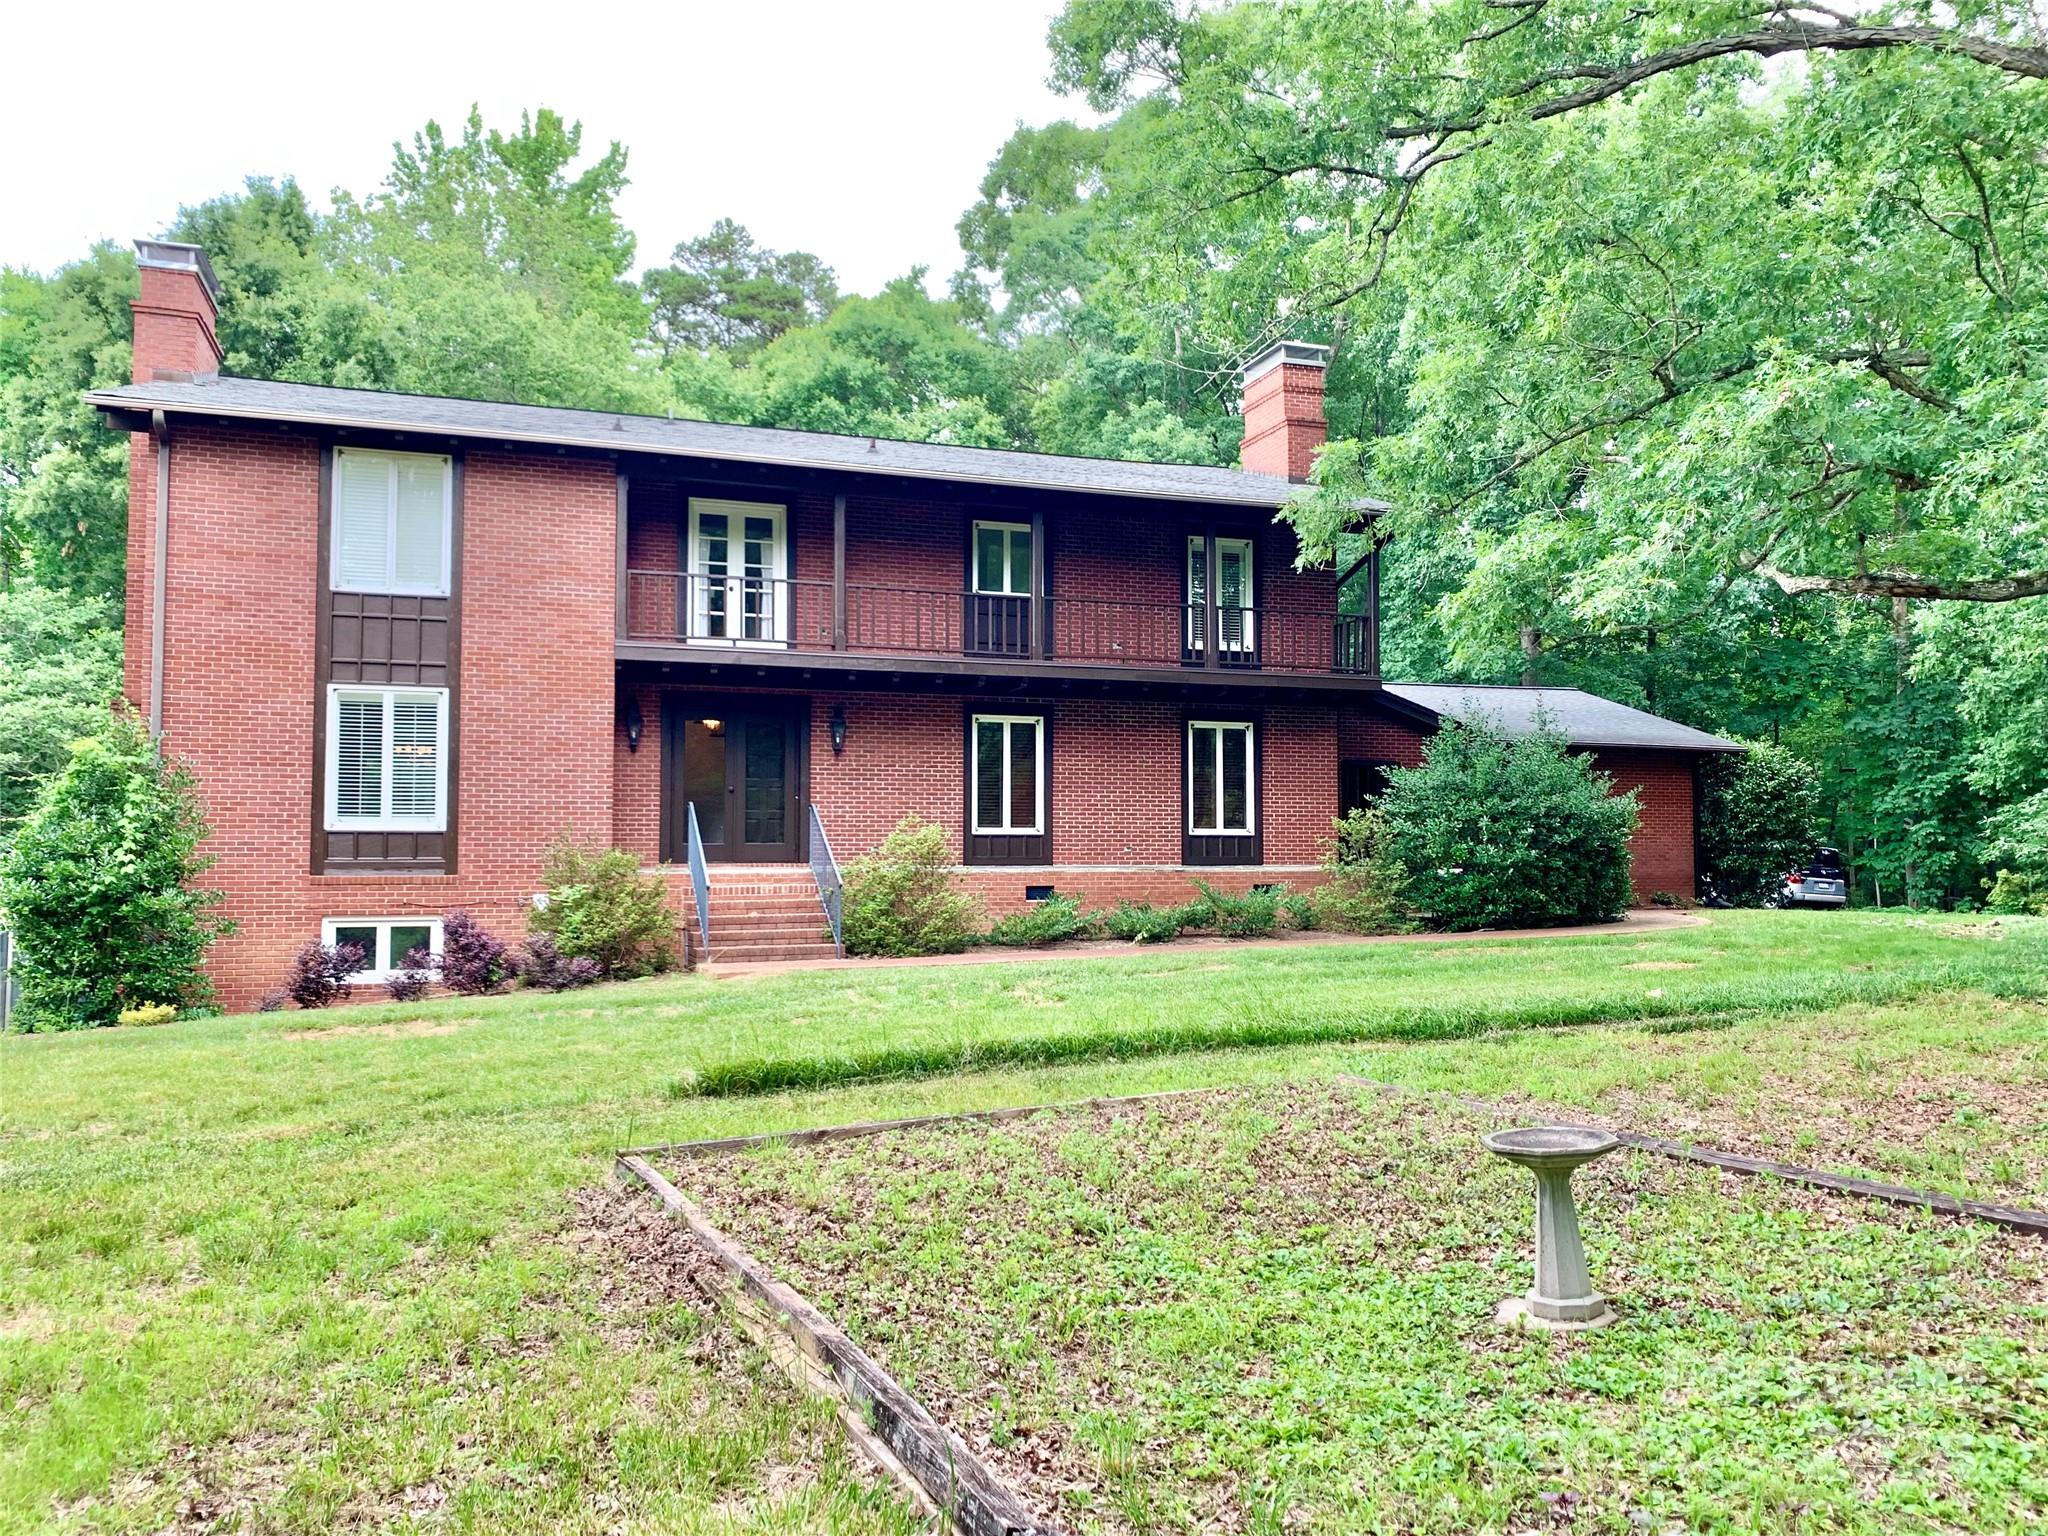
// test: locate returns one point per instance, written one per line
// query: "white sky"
(858, 130)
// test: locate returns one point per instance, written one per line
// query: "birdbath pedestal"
(1563, 1297)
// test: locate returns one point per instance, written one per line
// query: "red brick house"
(406, 642)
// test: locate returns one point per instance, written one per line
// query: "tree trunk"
(1532, 655)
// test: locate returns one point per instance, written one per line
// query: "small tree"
(1502, 832)
(1759, 811)
(899, 899)
(600, 906)
(100, 886)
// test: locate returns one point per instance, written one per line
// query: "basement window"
(1038, 893)
(385, 941)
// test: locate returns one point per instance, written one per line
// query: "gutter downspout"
(160, 429)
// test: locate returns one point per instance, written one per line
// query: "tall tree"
(722, 291)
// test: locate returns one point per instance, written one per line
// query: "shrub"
(273, 1000)
(899, 899)
(1759, 816)
(1299, 908)
(1250, 916)
(99, 886)
(1139, 923)
(1366, 889)
(320, 973)
(542, 965)
(415, 974)
(472, 960)
(1051, 921)
(149, 1013)
(2018, 893)
(602, 908)
(1498, 831)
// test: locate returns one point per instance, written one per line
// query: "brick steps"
(766, 914)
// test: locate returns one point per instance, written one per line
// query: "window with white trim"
(392, 514)
(384, 941)
(1235, 618)
(1220, 788)
(387, 759)
(1002, 559)
(1008, 793)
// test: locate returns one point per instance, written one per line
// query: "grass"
(309, 1272)
(1271, 1310)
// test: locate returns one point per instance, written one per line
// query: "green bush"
(601, 907)
(1299, 908)
(1366, 889)
(1141, 923)
(1509, 832)
(98, 886)
(1253, 915)
(1051, 921)
(1759, 817)
(2015, 892)
(899, 899)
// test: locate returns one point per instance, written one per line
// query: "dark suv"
(1823, 883)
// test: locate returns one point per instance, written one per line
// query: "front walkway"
(1642, 921)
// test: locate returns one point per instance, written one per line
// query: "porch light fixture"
(634, 724)
(1563, 1297)
(836, 727)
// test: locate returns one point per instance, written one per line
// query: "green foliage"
(602, 908)
(99, 887)
(1142, 923)
(899, 899)
(1253, 915)
(1054, 920)
(1757, 818)
(1365, 887)
(725, 293)
(1509, 832)
(2017, 892)
(60, 665)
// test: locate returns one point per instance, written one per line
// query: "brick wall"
(1283, 421)
(1663, 844)
(536, 695)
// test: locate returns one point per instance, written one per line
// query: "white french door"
(1235, 618)
(738, 573)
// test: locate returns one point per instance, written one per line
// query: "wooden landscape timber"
(933, 1462)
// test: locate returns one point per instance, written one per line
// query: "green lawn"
(1271, 1310)
(334, 1269)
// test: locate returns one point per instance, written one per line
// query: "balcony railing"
(762, 612)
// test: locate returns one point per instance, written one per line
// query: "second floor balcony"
(721, 611)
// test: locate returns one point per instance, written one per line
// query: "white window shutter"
(362, 521)
(415, 757)
(359, 757)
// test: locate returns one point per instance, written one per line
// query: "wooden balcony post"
(620, 616)
(1037, 616)
(839, 571)
(1211, 630)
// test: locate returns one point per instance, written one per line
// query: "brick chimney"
(175, 314)
(1283, 409)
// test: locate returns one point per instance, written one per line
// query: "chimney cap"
(180, 257)
(1305, 354)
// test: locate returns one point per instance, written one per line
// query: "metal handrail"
(700, 880)
(831, 889)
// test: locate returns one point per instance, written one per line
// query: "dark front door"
(740, 773)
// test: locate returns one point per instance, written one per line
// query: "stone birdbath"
(1563, 1297)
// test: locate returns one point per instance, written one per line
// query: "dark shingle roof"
(1584, 719)
(265, 400)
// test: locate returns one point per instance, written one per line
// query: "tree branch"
(1997, 589)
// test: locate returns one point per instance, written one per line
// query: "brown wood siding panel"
(385, 640)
